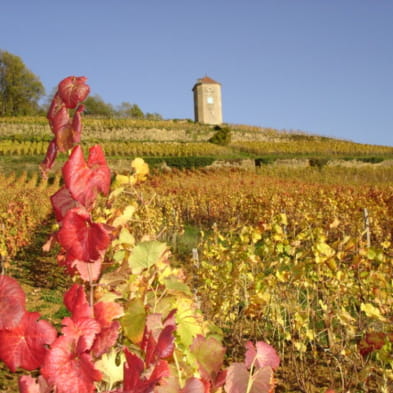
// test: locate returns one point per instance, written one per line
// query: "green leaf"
(118, 256)
(209, 354)
(189, 322)
(125, 237)
(134, 320)
(146, 254)
(173, 284)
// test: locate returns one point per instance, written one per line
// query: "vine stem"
(91, 289)
(179, 373)
(250, 375)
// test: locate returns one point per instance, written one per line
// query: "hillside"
(36, 128)
(174, 140)
(287, 253)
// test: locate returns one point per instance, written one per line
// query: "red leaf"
(82, 330)
(68, 370)
(77, 124)
(62, 201)
(85, 180)
(67, 263)
(73, 90)
(155, 324)
(76, 303)
(263, 355)
(12, 302)
(106, 312)
(57, 116)
(50, 157)
(209, 354)
(169, 384)
(64, 138)
(82, 239)
(220, 380)
(134, 379)
(61, 124)
(165, 345)
(106, 339)
(238, 378)
(88, 270)
(372, 341)
(195, 385)
(133, 370)
(28, 384)
(158, 338)
(160, 349)
(263, 381)
(25, 345)
(149, 344)
(160, 371)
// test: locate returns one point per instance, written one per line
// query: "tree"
(96, 106)
(130, 110)
(20, 89)
(153, 116)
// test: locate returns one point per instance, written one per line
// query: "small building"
(207, 101)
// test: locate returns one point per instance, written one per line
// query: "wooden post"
(195, 257)
(367, 226)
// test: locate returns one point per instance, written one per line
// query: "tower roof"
(206, 80)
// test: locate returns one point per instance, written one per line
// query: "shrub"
(222, 136)
(181, 162)
(264, 161)
(318, 162)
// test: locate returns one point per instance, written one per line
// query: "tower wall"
(207, 101)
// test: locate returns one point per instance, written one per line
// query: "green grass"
(184, 243)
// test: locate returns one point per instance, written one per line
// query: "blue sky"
(320, 66)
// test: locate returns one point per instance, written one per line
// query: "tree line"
(22, 92)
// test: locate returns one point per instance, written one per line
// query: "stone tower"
(207, 101)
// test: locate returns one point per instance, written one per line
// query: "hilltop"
(175, 130)
(183, 143)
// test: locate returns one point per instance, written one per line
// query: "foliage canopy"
(20, 89)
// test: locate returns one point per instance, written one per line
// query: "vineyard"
(305, 266)
(295, 258)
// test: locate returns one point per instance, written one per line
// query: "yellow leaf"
(189, 320)
(282, 276)
(323, 305)
(300, 346)
(335, 223)
(125, 217)
(310, 334)
(372, 311)
(283, 219)
(121, 180)
(141, 168)
(111, 367)
(325, 249)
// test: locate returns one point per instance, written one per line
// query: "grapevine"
(133, 308)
